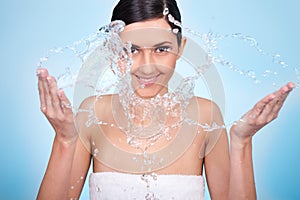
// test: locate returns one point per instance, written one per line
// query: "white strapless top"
(113, 186)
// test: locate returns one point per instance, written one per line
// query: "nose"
(147, 56)
(148, 65)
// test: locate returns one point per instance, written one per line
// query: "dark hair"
(131, 11)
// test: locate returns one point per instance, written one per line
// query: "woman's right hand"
(56, 107)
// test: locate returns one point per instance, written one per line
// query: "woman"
(229, 173)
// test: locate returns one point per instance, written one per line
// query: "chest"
(178, 153)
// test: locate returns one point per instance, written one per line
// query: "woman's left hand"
(265, 111)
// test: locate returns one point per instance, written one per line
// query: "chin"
(149, 92)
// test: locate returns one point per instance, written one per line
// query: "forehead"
(148, 33)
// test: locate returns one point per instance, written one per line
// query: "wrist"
(66, 142)
(237, 141)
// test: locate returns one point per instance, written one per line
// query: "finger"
(290, 86)
(260, 106)
(267, 109)
(271, 110)
(65, 103)
(47, 95)
(42, 74)
(41, 91)
(53, 94)
(267, 115)
(281, 97)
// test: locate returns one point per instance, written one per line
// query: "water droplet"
(44, 59)
(257, 81)
(98, 189)
(282, 63)
(134, 159)
(96, 151)
(154, 176)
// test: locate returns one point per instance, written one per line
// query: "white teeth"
(147, 79)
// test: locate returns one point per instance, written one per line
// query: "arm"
(217, 168)
(55, 106)
(66, 171)
(216, 160)
(55, 184)
(242, 184)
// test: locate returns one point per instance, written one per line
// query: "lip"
(147, 81)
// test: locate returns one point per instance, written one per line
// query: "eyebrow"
(162, 43)
(156, 45)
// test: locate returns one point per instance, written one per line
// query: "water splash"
(212, 43)
(102, 68)
(147, 178)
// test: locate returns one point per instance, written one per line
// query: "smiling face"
(155, 50)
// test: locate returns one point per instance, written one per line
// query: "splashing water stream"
(101, 73)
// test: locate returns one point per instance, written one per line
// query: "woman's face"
(155, 50)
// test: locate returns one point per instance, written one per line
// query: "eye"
(162, 49)
(134, 50)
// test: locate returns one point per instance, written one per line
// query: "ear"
(181, 48)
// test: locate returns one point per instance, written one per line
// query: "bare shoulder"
(209, 110)
(92, 101)
(205, 102)
(87, 102)
(102, 107)
(92, 110)
(94, 107)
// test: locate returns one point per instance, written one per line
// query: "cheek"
(135, 65)
(169, 62)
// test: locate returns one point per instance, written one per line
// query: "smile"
(147, 81)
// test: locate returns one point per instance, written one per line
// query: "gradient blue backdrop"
(30, 27)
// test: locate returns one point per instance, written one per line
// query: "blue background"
(29, 28)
